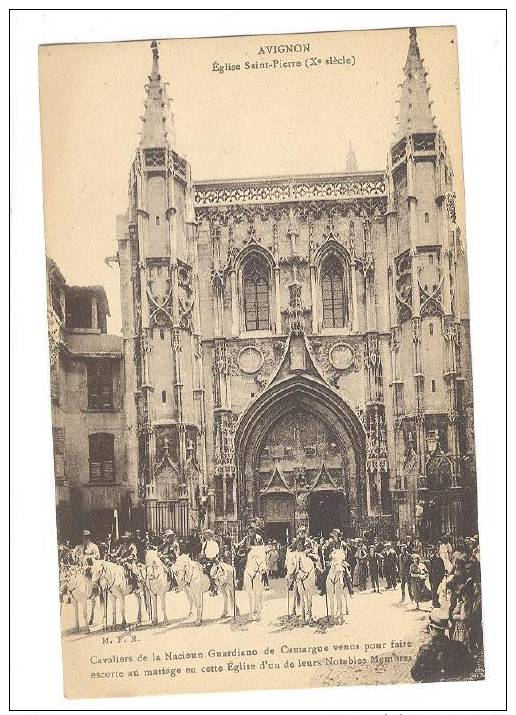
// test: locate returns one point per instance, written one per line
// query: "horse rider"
(141, 544)
(194, 543)
(87, 551)
(329, 546)
(168, 552)
(209, 557)
(127, 556)
(241, 550)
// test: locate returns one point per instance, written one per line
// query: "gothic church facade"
(297, 348)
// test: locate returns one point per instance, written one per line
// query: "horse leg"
(249, 595)
(114, 620)
(309, 597)
(198, 607)
(164, 606)
(223, 589)
(139, 598)
(76, 609)
(260, 600)
(154, 606)
(233, 604)
(329, 596)
(85, 615)
(92, 617)
(122, 605)
(190, 600)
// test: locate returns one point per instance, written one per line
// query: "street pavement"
(377, 643)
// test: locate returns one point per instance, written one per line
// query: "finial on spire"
(155, 132)
(351, 159)
(415, 115)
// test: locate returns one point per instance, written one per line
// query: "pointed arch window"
(256, 294)
(335, 292)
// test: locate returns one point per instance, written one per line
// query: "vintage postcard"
(261, 384)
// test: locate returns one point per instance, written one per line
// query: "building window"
(162, 334)
(164, 396)
(100, 384)
(102, 457)
(431, 328)
(79, 310)
(157, 220)
(433, 385)
(427, 217)
(255, 284)
(335, 300)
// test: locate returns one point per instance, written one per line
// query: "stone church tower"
(159, 282)
(298, 348)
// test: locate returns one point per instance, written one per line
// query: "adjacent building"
(93, 486)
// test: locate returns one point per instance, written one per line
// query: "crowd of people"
(445, 574)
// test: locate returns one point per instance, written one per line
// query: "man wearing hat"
(169, 550)
(87, 551)
(299, 539)
(241, 550)
(209, 556)
(328, 548)
(127, 556)
(436, 573)
(441, 658)
(390, 565)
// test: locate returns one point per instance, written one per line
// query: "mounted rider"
(127, 556)
(168, 552)
(209, 557)
(241, 550)
(332, 543)
(87, 551)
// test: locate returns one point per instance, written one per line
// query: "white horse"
(335, 590)
(224, 576)
(113, 578)
(158, 584)
(255, 567)
(301, 571)
(78, 586)
(194, 582)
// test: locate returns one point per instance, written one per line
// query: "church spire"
(351, 159)
(415, 115)
(154, 131)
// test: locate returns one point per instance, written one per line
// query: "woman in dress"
(460, 619)
(418, 576)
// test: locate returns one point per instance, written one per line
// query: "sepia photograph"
(260, 362)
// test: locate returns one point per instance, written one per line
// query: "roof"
(54, 272)
(94, 344)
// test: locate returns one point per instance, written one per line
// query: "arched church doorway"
(300, 453)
